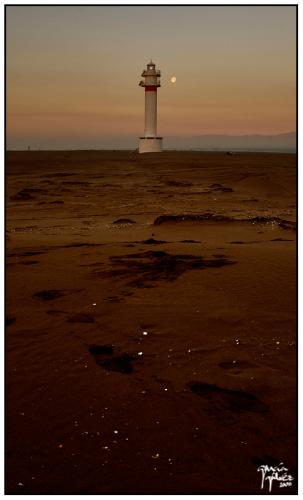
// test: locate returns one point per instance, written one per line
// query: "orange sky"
(74, 71)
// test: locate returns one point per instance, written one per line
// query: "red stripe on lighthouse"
(150, 88)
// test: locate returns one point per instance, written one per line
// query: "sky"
(72, 73)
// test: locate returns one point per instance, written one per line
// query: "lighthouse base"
(150, 145)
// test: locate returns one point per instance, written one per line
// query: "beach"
(150, 321)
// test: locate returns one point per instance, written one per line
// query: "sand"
(149, 354)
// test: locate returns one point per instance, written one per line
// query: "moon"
(173, 79)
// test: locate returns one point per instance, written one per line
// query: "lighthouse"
(150, 143)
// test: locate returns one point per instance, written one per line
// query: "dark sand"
(194, 406)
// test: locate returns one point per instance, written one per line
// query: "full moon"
(173, 79)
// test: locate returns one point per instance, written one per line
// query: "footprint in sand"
(228, 399)
(104, 356)
(281, 239)
(189, 241)
(49, 294)
(54, 294)
(152, 241)
(26, 254)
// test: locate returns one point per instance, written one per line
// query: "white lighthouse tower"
(150, 143)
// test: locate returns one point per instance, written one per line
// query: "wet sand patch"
(154, 266)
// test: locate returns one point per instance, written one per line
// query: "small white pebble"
(165, 388)
(140, 353)
(94, 304)
(20, 484)
(145, 333)
(156, 455)
(116, 432)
